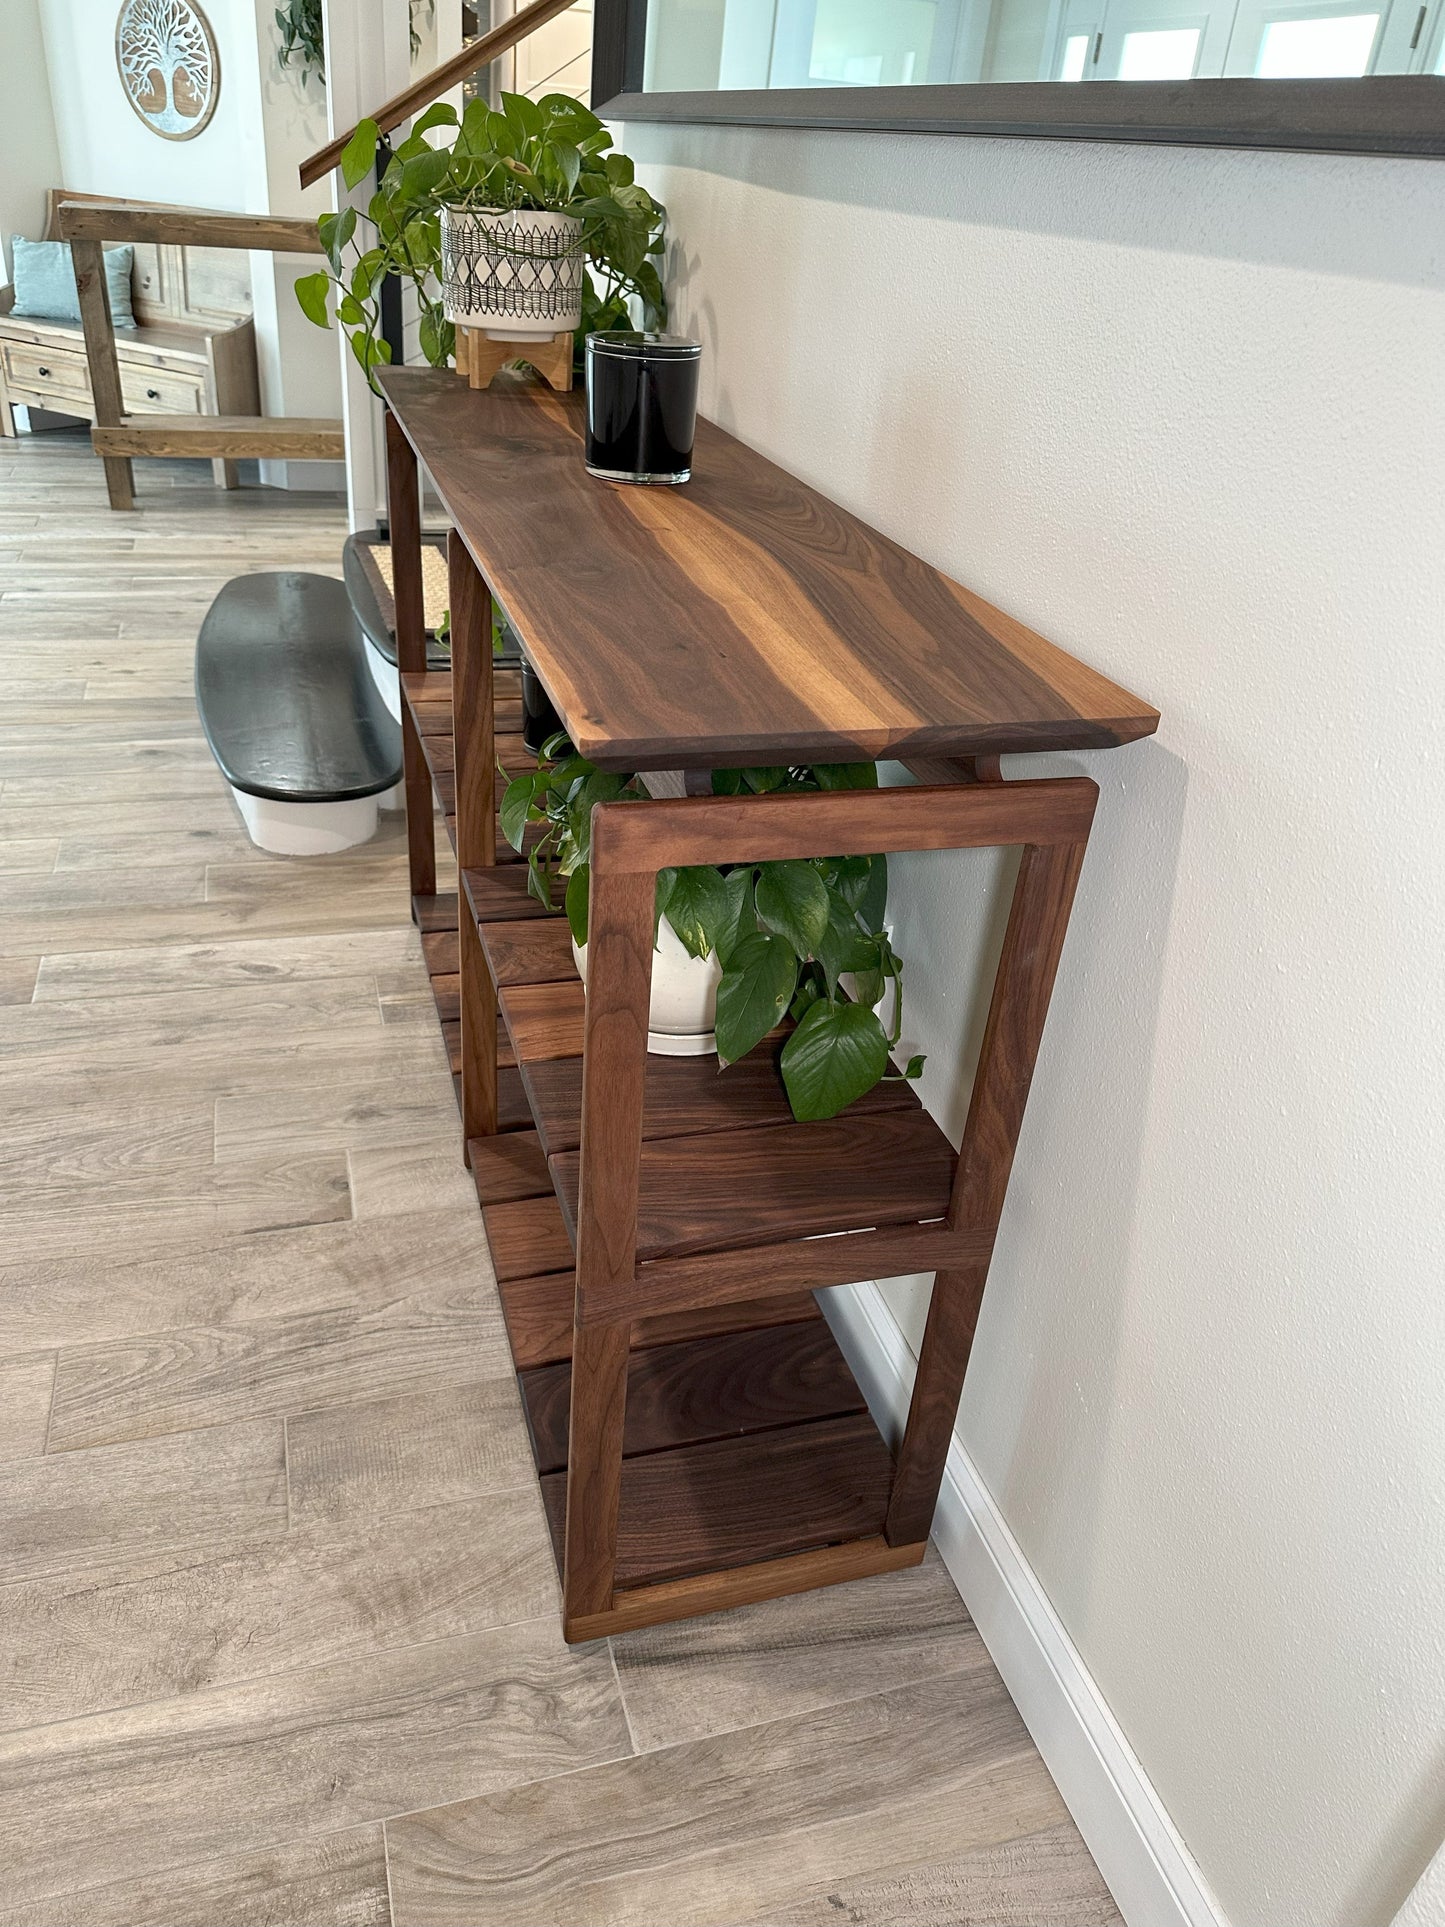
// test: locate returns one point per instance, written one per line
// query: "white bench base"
(312, 829)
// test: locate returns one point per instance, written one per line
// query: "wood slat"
(539, 1314)
(439, 950)
(187, 227)
(545, 1020)
(296, 438)
(688, 1096)
(434, 913)
(806, 635)
(509, 1167)
(527, 1237)
(499, 895)
(703, 1508)
(538, 951)
(714, 1592)
(705, 1388)
(740, 1188)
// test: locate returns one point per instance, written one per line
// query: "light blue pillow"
(45, 282)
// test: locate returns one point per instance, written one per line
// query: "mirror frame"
(1402, 114)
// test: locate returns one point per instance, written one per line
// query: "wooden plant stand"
(658, 1230)
(481, 360)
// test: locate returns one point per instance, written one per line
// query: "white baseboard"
(1149, 1871)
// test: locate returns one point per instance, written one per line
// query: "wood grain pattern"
(545, 1020)
(296, 438)
(771, 1816)
(335, 1880)
(88, 259)
(535, 952)
(705, 1388)
(540, 1322)
(1033, 942)
(226, 1770)
(686, 1096)
(778, 1658)
(527, 1238)
(473, 744)
(404, 510)
(404, 1453)
(702, 1508)
(509, 1167)
(764, 623)
(730, 1189)
(193, 227)
(162, 1622)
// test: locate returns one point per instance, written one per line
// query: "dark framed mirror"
(1352, 76)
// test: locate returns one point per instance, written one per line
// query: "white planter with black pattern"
(515, 274)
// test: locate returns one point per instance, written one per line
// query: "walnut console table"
(658, 1229)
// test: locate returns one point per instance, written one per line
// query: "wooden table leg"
(619, 983)
(404, 515)
(475, 753)
(1038, 920)
(88, 261)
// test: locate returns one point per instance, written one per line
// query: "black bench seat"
(286, 699)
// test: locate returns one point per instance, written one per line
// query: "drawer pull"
(42, 370)
(153, 394)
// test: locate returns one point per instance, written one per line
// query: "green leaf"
(539, 884)
(312, 291)
(524, 115)
(335, 230)
(848, 877)
(359, 154)
(756, 988)
(846, 776)
(440, 114)
(845, 946)
(792, 899)
(579, 888)
(697, 908)
(350, 310)
(436, 336)
(914, 1067)
(809, 991)
(740, 919)
(836, 1054)
(516, 807)
(727, 782)
(760, 781)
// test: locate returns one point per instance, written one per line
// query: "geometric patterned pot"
(515, 273)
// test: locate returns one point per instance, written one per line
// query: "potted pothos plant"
(740, 948)
(521, 222)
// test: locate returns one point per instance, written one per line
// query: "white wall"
(244, 160)
(1183, 411)
(29, 158)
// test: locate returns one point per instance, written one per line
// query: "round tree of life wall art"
(169, 66)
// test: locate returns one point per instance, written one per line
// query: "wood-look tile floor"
(278, 1620)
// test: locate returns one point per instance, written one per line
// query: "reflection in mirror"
(704, 45)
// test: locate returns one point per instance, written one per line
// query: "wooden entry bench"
(193, 352)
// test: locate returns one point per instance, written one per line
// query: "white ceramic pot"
(684, 997)
(515, 274)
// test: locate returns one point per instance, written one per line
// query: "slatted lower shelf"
(704, 1508)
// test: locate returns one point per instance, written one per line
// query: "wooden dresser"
(193, 352)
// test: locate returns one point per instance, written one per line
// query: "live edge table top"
(739, 619)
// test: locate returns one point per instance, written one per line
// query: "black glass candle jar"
(641, 406)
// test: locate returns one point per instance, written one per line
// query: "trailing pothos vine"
(786, 935)
(548, 154)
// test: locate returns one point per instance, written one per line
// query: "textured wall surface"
(1185, 413)
(29, 157)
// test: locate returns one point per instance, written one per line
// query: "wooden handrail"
(449, 74)
(187, 227)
